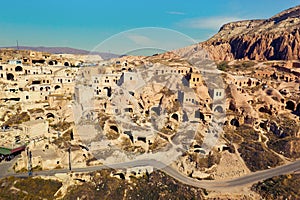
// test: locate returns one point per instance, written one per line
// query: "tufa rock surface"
(277, 38)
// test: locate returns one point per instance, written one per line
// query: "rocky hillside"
(277, 38)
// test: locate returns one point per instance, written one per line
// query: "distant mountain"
(276, 38)
(64, 50)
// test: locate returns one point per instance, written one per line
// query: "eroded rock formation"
(277, 38)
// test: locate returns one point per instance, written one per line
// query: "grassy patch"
(289, 147)
(284, 141)
(257, 157)
(223, 66)
(151, 186)
(279, 187)
(28, 188)
(247, 132)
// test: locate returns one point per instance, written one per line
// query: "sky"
(85, 24)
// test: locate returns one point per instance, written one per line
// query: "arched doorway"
(175, 116)
(219, 109)
(49, 115)
(114, 128)
(18, 69)
(108, 91)
(56, 87)
(235, 122)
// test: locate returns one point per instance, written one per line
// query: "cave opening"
(114, 128)
(290, 105)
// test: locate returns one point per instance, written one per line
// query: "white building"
(36, 128)
(131, 81)
(15, 62)
(217, 94)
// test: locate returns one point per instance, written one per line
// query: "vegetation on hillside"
(254, 152)
(154, 186)
(279, 187)
(17, 119)
(28, 188)
(241, 65)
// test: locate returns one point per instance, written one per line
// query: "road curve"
(208, 184)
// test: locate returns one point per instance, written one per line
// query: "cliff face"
(268, 46)
(277, 38)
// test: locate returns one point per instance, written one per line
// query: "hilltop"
(276, 38)
(63, 50)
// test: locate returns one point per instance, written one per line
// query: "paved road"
(213, 184)
(6, 166)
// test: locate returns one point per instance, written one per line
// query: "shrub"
(222, 65)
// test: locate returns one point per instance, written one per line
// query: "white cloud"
(212, 23)
(175, 13)
(140, 39)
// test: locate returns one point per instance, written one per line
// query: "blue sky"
(85, 24)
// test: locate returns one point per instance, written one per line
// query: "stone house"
(36, 128)
(131, 81)
(195, 80)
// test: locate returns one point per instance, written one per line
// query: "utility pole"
(17, 44)
(69, 151)
(29, 156)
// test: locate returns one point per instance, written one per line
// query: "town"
(62, 110)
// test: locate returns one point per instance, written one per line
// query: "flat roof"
(7, 151)
(33, 122)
